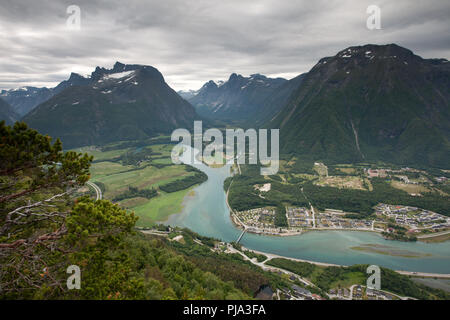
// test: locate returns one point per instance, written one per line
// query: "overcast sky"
(193, 41)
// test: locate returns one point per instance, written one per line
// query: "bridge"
(241, 235)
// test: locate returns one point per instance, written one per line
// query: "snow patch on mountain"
(119, 75)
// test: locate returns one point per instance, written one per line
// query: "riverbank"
(435, 237)
(389, 251)
(408, 273)
(438, 237)
(239, 224)
(209, 214)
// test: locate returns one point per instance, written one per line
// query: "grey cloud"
(191, 42)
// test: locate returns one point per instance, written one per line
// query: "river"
(206, 213)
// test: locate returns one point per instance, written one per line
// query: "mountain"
(7, 113)
(187, 94)
(24, 99)
(239, 98)
(122, 103)
(74, 80)
(276, 101)
(372, 102)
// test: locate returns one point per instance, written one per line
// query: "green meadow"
(160, 208)
(152, 171)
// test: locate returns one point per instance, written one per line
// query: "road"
(312, 209)
(407, 273)
(98, 191)
(351, 291)
(437, 234)
(239, 166)
(424, 274)
(156, 233)
(265, 267)
(271, 256)
(313, 216)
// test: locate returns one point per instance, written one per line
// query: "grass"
(164, 149)
(133, 202)
(410, 188)
(350, 278)
(304, 176)
(117, 178)
(100, 155)
(252, 255)
(314, 273)
(105, 168)
(160, 208)
(144, 178)
(369, 184)
(347, 170)
(349, 182)
(162, 160)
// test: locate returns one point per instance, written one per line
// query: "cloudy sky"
(193, 41)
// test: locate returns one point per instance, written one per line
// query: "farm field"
(100, 155)
(349, 182)
(347, 170)
(410, 188)
(143, 178)
(153, 170)
(161, 207)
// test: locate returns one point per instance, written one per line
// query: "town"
(300, 219)
(414, 219)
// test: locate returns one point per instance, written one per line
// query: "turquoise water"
(207, 214)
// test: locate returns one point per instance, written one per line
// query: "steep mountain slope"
(126, 102)
(370, 103)
(187, 94)
(7, 113)
(276, 101)
(239, 98)
(74, 80)
(24, 99)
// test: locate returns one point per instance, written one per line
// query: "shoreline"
(242, 226)
(237, 223)
(324, 264)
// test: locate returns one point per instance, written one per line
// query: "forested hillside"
(44, 230)
(370, 103)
